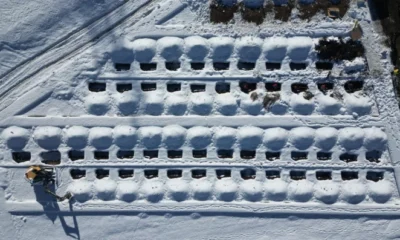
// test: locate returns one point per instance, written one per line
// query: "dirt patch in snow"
(333, 50)
(282, 11)
(220, 13)
(255, 15)
(309, 9)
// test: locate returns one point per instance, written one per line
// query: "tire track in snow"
(213, 163)
(311, 209)
(69, 45)
(172, 14)
(55, 43)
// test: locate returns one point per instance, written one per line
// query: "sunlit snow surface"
(171, 122)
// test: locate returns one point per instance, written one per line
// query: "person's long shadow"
(52, 211)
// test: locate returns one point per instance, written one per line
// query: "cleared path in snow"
(262, 121)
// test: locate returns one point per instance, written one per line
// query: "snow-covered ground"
(27, 30)
(164, 125)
